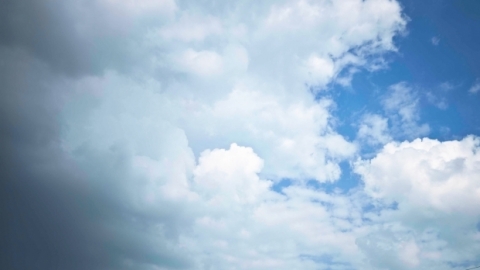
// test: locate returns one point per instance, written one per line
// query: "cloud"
(202, 63)
(446, 86)
(435, 41)
(475, 88)
(439, 102)
(114, 183)
(143, 141)
(443, 171)
(374, 129)
(401, 106)
(431, 182)
(438, 96)
(54, 217)
(86, 37)
(400, 120)
(231, 174)
(191, 27)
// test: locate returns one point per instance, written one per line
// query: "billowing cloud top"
(163, 134)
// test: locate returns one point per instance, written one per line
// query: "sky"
(208, 134)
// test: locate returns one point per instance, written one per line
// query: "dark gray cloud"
(54, 216)
(73, 37)
(44, 29)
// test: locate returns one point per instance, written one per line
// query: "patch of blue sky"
(348, 180)
(455, 59)
(427, 66)
(436, 59)
(373, 207)
(280, 185)
(439, 59)
(376, 208)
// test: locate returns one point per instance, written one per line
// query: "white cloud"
(294, 138)
(190, 28)
(475, 88)
(435, 41)
(401, 106)
(203, 63)
(374, 129)
(217, 108)
(447, 86)
(319, 70)
(437, 97)
(426, 173)
(439, 102)
(230, 176)
(436, 190)
(385, 248)
(401, 119)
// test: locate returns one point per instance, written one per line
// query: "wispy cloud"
(475, 88)
(401, 106)
(374, 129)
(439, 102)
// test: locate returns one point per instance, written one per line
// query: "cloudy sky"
(210, 134)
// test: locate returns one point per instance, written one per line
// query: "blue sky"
(436, 56)
(292, 134)
(426, 65)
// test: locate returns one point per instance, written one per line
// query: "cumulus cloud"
(430, 182)
(231, 173)
(439, 175)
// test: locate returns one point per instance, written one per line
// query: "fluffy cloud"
(434, 190)
(426, 173)
(226, 68)
(231, 174)
(242, 223)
